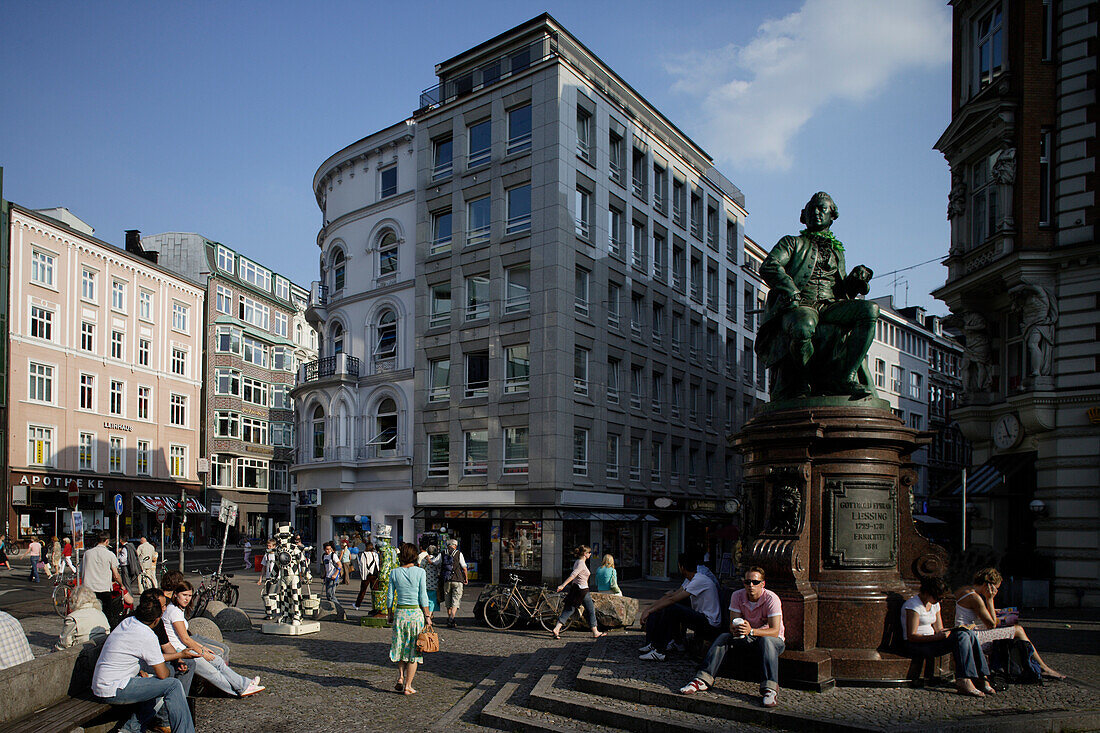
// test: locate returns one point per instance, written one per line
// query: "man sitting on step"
(756, 627)
(667, 619)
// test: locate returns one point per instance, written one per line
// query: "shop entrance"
(471, 527)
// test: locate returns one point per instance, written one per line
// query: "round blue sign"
(118, 504)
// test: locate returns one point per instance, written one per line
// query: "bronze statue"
(816, 331)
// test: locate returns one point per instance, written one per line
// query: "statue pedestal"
(828, 516)
(305, 627)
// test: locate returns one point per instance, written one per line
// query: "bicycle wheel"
(62, 595)
(201, 601)
(548, 611)
(229, 594)
(501, 611)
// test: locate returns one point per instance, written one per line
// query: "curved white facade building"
(355, 402)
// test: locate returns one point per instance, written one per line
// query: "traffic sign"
(228, 514)
(74, 497)
(162, 515)
(118, 504)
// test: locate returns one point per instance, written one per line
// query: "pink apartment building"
(105, 380)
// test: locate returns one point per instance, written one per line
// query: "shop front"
(257, 513)
(473, 528)
(711, 527)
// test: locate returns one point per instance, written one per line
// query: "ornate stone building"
(1023, 266)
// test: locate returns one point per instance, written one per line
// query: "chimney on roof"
(133, 246)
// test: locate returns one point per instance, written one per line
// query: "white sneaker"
(696, 685)
(653, 655)
(355, 606)
(646, 648)
(675, 646)
(252, 690)
(770, 699)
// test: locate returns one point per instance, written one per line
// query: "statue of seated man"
(815, 332)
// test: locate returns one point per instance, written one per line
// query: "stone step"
(509, 709)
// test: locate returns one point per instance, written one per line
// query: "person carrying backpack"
(453, 577)
(368, 572)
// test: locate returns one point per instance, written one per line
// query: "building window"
(178, 410)
(639, 174)
(613, 293)
(636, 373)
(253, 351)
(712, 287)
(114, 455)
(636, 459)
(39, 446)
(227, 381)
(319, 433)
(254, 391)
(337, 338)
(442, 158)
(679, 201)
(476, 453)
(477, 297)
(519, 209)
(255, 275)
(580, 452)
(225, 301)
(143, 397)
(612, 461)
(515, 450)
(580, 371)
(637, 318)
(519, 129)
(40, 379)
(916, 421)
(386, 347)
(441, 232)
(221, 470)
(179, 317)
(696, 278)
(480, 143)
(440, 314)
(282, 358)
(87, 336)
(280, 397)
(42, 267)
(616, 151)
(87, 392)
(439, 380)
(583, 213)
(118, 295)
(145, 305)
(696, 214)
(1044, 174)
(385, 428)
(517, 377)
(638, 245)
(280, 324)
(86, 460)
(897, 378)
(41, 323)
(254, 431)
(660, 258)
(388, 182)
(660, 188)
(615, 231)
(584, 135)
(983, 202)
(731, 241)
(580, 291)
(225, 259)
(387, 254)
(880, 373)
(117, 397)
(613, 380)
(915, 381)
(679, 267)
(477, 374)
(88, 285)
(988, 46)
(282, 288)
(252, 473)
(439, 454)
(117, 345)
(478, 221)
(227, 424)
(254, 312)
(143, 458)
(179, 362)
(712, 228)
(657, 396)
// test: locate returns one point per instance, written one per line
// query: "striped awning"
(994, 476)
(152, 503)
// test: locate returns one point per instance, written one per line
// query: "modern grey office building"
(585, 313)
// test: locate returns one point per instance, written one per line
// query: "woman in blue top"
(407, 600)
(607, 578)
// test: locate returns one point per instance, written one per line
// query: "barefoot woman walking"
(407, 600)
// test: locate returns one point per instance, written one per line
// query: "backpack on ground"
(1014, 659)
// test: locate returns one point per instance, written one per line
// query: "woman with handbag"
(578, 593)
(407, 601)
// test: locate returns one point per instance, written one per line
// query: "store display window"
(521, 546)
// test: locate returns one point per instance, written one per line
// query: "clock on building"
(1007, 432)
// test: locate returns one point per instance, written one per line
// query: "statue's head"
(819, 212)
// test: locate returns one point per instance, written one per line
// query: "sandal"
(399, 687)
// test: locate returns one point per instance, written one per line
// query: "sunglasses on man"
(750, 581)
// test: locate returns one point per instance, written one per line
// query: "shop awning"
(152, 503)
(994, 474)
(609, 517)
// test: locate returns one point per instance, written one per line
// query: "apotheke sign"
(57, 481)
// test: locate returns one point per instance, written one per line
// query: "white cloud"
(755, 98)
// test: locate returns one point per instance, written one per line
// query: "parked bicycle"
(64, 585)
(145, 582)
(502, 610)
(215, 586)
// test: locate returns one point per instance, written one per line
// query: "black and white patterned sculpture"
(288, 599)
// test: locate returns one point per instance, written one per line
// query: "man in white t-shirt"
(756, 628)
(131, 669)
(100, 572)
(147, 557)
(667, 619)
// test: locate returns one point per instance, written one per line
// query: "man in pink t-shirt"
(34, 552)
(756, 627)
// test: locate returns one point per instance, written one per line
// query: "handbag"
(427, 641)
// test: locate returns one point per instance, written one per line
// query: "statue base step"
(305, 627)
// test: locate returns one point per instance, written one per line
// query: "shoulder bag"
(427, 641)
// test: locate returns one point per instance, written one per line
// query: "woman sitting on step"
(925, 637)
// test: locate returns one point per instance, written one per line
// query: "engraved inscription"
(863, 527)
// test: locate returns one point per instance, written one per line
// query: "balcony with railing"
(338, 366)
(317, 309)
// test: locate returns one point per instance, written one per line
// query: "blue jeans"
(589, 609)
(970, 662)
(148, 690)
(220, 647)
(669, 624)
(34, 568)
(330, 588)
(766, 648)
(220, 675)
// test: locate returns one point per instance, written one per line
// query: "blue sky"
(214, 116)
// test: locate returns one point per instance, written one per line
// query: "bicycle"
(215, 586)
(502, 610)
(64, 585)
(145, 582)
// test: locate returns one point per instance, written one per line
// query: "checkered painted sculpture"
(289, 599)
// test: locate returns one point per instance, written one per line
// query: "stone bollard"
(233, 619)
(205, 627)
(213, 608)
(329, 611)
